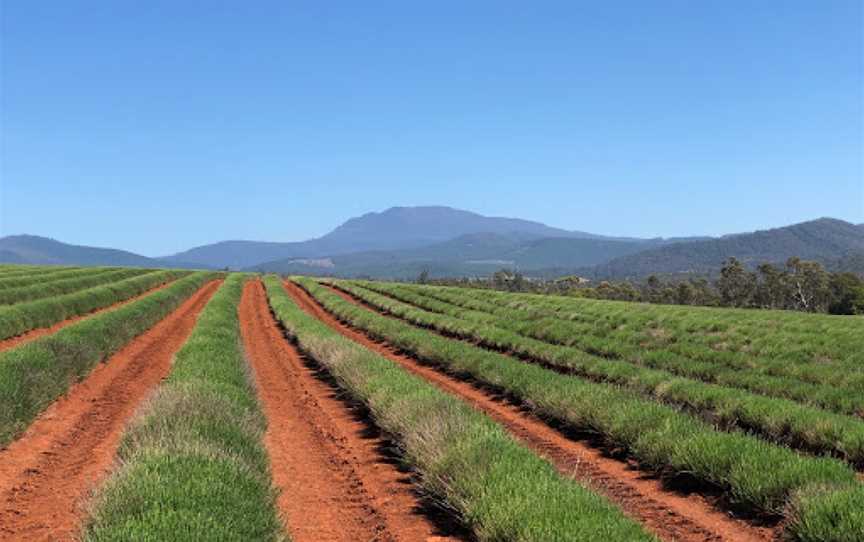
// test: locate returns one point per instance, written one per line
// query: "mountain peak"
(401, 226)
(24, 237)
(825, 220)
(394, 228)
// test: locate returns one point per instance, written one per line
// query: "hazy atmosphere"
(158, 126)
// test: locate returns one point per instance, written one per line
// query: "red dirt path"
(47, 473)
(33, 334)
(668, 514)
(336, 482)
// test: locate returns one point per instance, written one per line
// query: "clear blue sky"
(156, 126)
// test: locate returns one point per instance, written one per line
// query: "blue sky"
(156, 126)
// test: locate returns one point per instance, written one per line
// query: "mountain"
(412, 226)
(393, 229)
(852, 262)
(32, 249)
(825, 240)
(467, 255)
(838, 245)
(402, 242)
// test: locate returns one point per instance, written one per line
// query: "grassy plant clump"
(33, 375)
(818, 515)
(812, 359)
(779, 420)
(192, 465)
(813, 349)
(67, 285)
(502, 490)
(44, 274)
(21, 270)
(22, 317)
(761, 476)
(26, 280)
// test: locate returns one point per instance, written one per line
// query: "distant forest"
(800, 285)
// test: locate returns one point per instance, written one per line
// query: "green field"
(517, 416)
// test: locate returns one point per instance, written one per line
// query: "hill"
(404, 226)
(467, 255)
(394, 229)
(402, 242)
(32, 249)
(825, 240)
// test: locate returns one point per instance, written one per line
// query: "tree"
(506, 279)
(518, 283)
(736, 285)
(501, 279)
(627, 292)
(809, 285)
(847, 294)
(705, 294)
(604, 290)
(685, 293)
(772, 291)
(858, 300)
(654, 289)
(423, 277)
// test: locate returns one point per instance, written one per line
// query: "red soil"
(47, 473)
(669, 514)
(337, 483)
(18, 340)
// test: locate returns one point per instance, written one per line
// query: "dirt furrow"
(33, 334)
(337, 479)
(670, 514)
(47, 473)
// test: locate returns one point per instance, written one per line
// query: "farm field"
(143, 404)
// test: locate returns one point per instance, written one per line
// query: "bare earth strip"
(337, 482)
(669, 514)
(34, 334)
(47, 473)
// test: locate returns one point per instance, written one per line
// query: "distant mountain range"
(468, 255)
(401, 242)
(394, 229)
(31, 249)
(829, 241)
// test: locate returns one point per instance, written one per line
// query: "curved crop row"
(501, 489)
(779, 420)
(842, 398)
(765, 477)
(22, 317)
(21, 270)
(756, 333)
(816, 349)
(35, 374)
(67, 285)
(29, 278)
(813, 348)
(195, 448)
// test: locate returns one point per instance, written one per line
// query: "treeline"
(799, 285)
